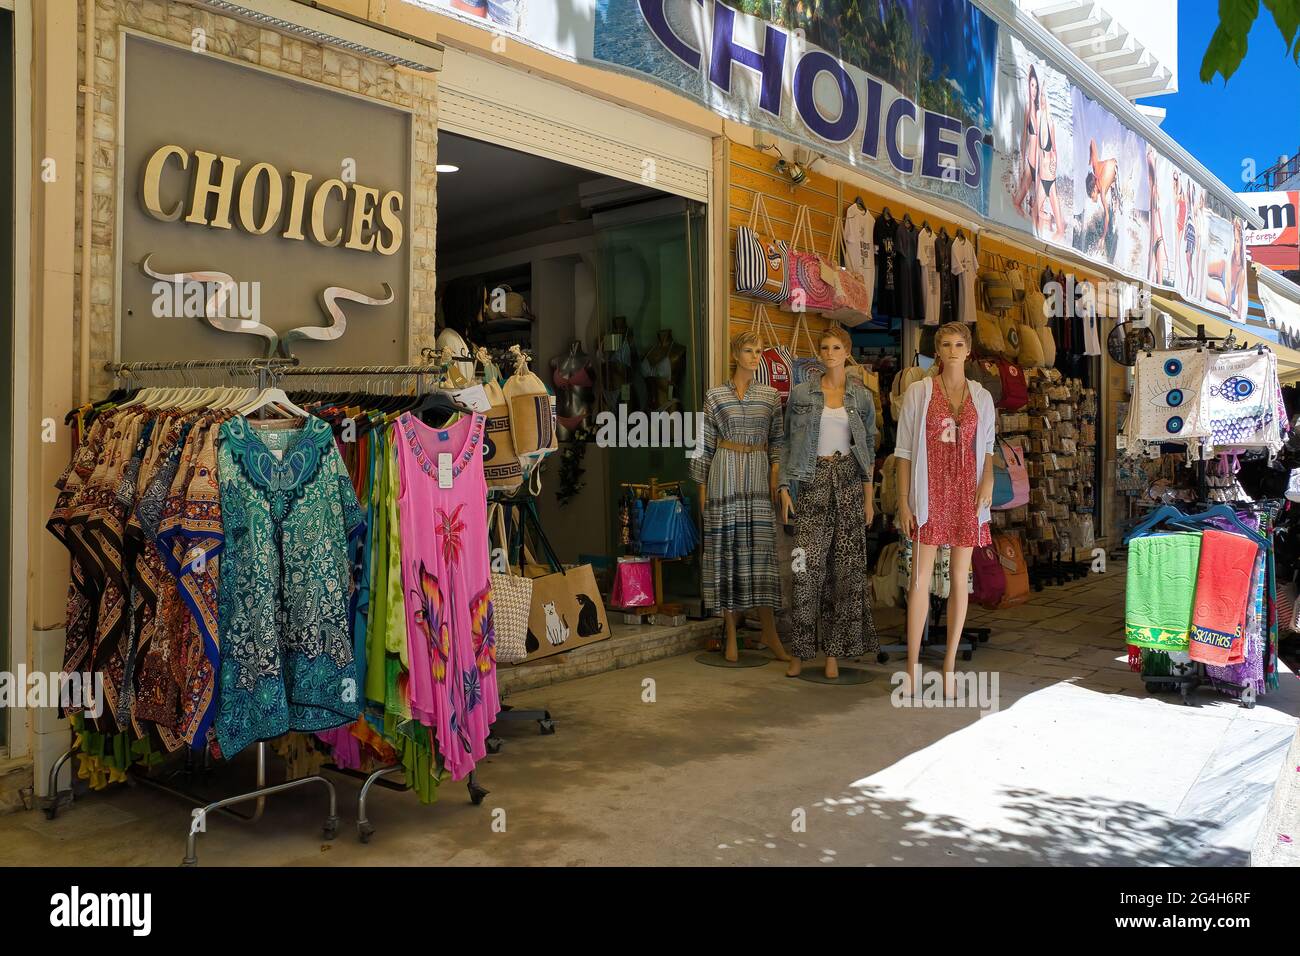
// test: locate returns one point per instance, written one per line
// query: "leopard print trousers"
(832, 606)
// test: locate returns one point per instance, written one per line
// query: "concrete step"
(627, 645)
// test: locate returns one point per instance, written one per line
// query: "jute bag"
(996, 287)
(500, 463)
(512, 595)
(532, 416)
(761, 258)
(567, 610)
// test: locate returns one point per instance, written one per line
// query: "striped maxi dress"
(740, 569)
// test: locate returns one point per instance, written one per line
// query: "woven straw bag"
(512, 598)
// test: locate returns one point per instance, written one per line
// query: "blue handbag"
(667, 530)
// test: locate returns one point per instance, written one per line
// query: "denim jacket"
(803, 421)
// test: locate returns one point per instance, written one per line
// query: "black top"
(885, 236)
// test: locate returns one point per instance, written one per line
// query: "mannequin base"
(746, 659)
(847, 675)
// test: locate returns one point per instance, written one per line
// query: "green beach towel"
(1161, 586)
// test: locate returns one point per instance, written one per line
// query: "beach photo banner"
(930, 94)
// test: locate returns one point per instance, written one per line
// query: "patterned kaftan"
(286, 645)
(448, 590)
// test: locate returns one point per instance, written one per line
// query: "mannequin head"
(952, 344)
(747, 350)
(834, 347)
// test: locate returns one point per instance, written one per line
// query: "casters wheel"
(476, 794)
(1248, 698)
(494, 745)
(1152, 687)
(365, 830)
(966, 655)
(546, 726)
(331, 828)
(882, 657)
(51, 813)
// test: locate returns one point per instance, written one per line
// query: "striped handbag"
(761, 258)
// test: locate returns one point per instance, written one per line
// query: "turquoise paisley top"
(289, 511)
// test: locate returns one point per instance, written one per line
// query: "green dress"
(289, 510)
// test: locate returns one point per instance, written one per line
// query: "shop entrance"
(602, 281)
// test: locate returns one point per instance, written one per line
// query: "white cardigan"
(910, 442)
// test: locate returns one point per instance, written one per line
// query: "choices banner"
(930, 94)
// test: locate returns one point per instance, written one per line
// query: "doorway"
(609, 280)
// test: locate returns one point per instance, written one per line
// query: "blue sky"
(1255, 115)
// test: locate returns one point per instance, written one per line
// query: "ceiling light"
(447, 168)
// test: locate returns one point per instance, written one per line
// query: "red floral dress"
(950, 459)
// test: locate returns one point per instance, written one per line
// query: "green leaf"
(1286, 14)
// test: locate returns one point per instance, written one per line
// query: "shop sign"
(933, 94)
(1280, 212)
(258, 200)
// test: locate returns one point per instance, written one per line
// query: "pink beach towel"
(1222, 591)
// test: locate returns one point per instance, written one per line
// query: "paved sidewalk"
(672, 762)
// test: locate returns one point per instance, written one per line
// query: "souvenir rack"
(654, 488)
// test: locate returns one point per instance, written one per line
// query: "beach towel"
(1167, 396)
(1161, 585)
(1223, 580)
(1238, 404)
(1251, 670)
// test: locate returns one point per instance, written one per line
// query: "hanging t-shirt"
(925, 257)
(908, 285)
(888, 278)
(860, 244)
(965, 266)
(947, 285)
(442, 510)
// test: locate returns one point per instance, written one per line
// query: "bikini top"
(579, 379)
(1047, 131)
(660, 369)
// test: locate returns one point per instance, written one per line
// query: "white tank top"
(834, 433)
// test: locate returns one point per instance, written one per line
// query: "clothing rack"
(366, 829)
(268, 370)
(263, 368)
(653, 488)
(1198, 677)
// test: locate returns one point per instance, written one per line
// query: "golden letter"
(318, 211)
(153, 182)
(203, 188)
(297, 199)
(390, 215)
(364, 202)
(248, 194)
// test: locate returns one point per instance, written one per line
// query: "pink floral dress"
(953, 518)
(447, 586)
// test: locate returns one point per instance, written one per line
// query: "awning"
(1188, 317)
(1280, 299)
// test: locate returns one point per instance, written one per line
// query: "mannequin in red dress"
(955, 498)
